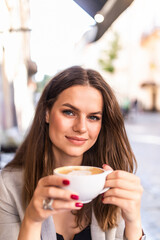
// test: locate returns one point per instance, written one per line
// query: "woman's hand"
(50, 187)
(47, 187)
(125, 192)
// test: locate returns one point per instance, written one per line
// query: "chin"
(75, 153)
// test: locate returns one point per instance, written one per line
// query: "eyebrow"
(76, 109)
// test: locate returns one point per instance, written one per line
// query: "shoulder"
(11, 177)
(11, 185)
(11, 182)
(11, 210)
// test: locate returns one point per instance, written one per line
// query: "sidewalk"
(143, 131)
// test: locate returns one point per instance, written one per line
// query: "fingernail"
(79, 204)
(75, 197)
(66, 182)
(104, 165)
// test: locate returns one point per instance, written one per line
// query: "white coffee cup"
(86, 181)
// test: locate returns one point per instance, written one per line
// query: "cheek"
(94, 131)
(59, 124)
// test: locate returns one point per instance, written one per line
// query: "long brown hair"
(35, 155)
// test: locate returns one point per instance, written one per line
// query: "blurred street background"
(119, 38)
(143, 130)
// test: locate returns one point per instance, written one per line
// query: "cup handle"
(106, 173)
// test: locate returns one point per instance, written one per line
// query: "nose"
(80, 125)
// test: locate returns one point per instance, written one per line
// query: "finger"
(119, 174)
(130, 207)
(64, 205)
(123, 184)
(60, 206)
(58, 193)
(120, 193)
(106, 167)
(53, 180)
(124, 204)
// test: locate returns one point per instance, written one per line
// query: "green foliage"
(42, 84)
(109, 55)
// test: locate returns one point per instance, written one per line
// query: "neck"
(65, 160)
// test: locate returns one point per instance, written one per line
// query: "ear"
(47, 116)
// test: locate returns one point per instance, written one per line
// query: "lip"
(76, 140)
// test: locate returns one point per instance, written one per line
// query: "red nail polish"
(105, 165)
(66, 182)
(79, 204)
(75, 197)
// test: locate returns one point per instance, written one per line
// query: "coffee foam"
(79, 173)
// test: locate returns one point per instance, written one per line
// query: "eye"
(68, 112)
(94, 118)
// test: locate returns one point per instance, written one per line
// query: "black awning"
(91, 6)
(110, 9)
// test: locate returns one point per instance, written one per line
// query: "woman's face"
(75, 120)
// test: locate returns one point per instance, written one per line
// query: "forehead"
(81, 95)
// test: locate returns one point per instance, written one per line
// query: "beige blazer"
(12, 213)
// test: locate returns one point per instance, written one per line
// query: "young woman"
(77, 122)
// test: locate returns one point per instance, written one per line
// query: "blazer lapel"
(48, 230)
(98, 234)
